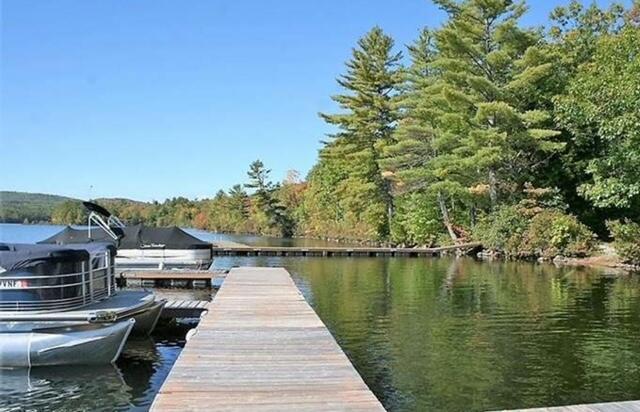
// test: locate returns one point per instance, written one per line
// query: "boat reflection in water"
(128, 385)
(63, 387)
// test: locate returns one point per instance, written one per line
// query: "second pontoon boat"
(139, 246)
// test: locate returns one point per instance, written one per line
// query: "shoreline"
(599, 261)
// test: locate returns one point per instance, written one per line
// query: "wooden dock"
(628, 406)
(172, 278)
(261, 347)
(330, 251)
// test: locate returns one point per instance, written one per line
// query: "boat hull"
(146, 318)
(80, 343)
(139, 305)
(150, 258)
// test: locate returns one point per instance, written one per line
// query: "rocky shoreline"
(606, 259)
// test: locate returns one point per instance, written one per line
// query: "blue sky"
(150, 99)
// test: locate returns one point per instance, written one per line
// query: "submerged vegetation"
(524, 138)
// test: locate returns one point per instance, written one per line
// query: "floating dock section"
(184, 308)
(627, 406)
(245, 250)
(261, 347)
(173, 278)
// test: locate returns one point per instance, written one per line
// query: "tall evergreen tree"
(365, 125)
(406, 158)
(489, 65)
(409, 160)
(238, 200)
(266, 201)
(471, 124)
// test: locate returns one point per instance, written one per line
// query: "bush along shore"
(526, 139)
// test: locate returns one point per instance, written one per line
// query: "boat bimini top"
(104, 227)
(41, 278)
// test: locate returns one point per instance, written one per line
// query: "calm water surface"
(425, 334)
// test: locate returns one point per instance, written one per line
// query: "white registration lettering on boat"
(11, 284)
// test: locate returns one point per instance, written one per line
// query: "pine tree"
(409, 160)
(489, 65)
(472, 124)
(365, 126)
(266, 201)
(238, 200)
(405, 160)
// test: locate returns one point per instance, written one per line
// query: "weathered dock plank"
(193, 278)
(168, 274)
(261, 347)
(228, 244)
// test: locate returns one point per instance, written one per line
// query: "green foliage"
(548, 233)
(576, 30)
(575, 33)
(503, 230)
(129, 211)
(19, 207)
(70, 212)
(601, 108)
(537, 226)
(626, 237)
(552, 233)
(468, 133)
(229, 213)
(271, 215)
(417, 220)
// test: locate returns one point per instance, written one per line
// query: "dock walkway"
(261, 347)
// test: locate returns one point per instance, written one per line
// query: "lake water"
(437, 334)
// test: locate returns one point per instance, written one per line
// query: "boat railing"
(95, 284)
(107, 226)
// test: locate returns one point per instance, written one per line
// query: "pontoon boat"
(59, 306)
(139, 246)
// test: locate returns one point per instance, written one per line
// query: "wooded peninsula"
(526, 139)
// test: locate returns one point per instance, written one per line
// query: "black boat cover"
(15, 256)
(135, 237)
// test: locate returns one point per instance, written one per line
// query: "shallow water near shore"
(438, 334)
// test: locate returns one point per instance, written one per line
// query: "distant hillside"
(106, 201)
(23, 207)
(19, 207)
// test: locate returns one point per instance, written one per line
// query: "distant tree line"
(525, 138)
(259, 206)
(18, 207)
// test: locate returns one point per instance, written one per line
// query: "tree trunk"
(445, 217)
(493, 188)
(473, 215)
(390, 207)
